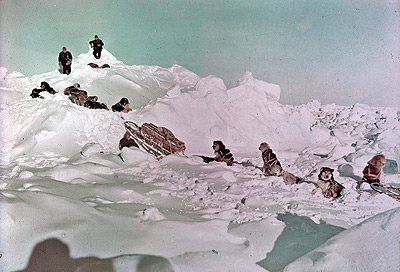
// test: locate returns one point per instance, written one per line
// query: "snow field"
(62, 177)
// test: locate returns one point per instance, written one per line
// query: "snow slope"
(63, 183)
(372, 245)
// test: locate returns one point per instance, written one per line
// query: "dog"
(273, 167)
(67, 91)
(95, 105)
(127, 141)
(327, 184)
(78, 97)
(121, 106)
(270, 160)
(372, 172)
(222, 154)
(94, 65)
(44, 86)
(289, 178)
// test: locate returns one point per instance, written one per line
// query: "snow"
(352, 250)
(65, 184)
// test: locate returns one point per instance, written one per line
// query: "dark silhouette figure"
(65, 61)
(97, 46)
(52, 255)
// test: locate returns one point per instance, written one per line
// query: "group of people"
(65, 57)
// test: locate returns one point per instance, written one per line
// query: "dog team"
(81, 98)
(327, 185)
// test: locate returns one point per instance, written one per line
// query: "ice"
(91, 148)
(65, 183)
(150, 214)
(25, 175)
(369, 246)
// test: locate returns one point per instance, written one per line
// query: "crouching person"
(273, 167)
(327, 185)
(372, 172)
(127, 141)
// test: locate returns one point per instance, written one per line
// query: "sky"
(338, 51)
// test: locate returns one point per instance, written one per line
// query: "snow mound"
(91, 148)
(197, 110)
(254, 88)
(151, 214)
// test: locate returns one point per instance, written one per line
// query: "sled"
(389, 190)
(157, 141)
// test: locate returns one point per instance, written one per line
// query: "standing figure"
(65, 60)
(222, 154)
(97, 46)
(372, 172)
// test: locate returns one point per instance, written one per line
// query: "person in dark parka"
(97, 46)
(65, 60)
